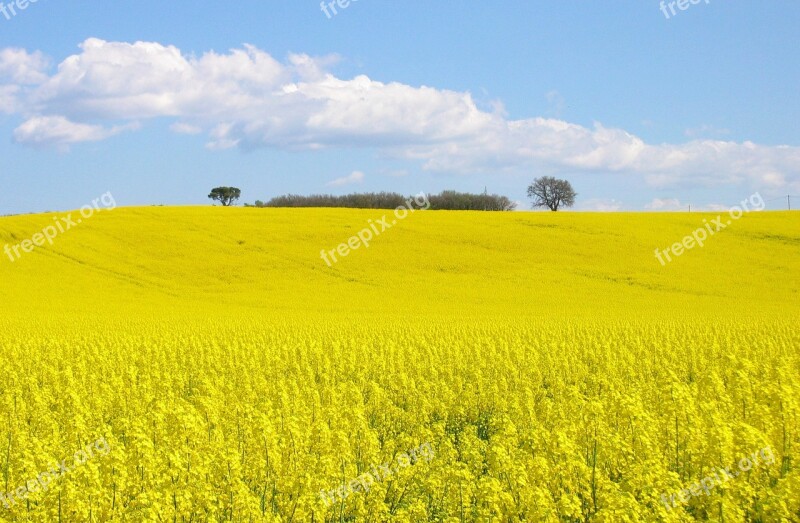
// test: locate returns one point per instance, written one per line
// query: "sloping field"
(447, 264)
(206, 364)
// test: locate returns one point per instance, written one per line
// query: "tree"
(551, 193)
(225, 195)
(458, 201)
(447, 200)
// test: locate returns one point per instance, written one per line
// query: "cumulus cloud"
(8, 98)
(21, 67)
(354, 177)
(18, 68)
(247, 99)
(60, 132)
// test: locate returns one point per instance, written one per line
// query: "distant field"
(442, 263)
(550, 368)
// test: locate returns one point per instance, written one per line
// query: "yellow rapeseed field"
(205, 364)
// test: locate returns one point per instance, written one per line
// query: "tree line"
(446, 200)
(544, 192)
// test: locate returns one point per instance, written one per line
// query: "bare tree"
(551, 193)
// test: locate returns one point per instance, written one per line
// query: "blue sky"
(159, 102)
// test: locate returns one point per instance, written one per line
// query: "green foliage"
(225, 195)
(459, 201)
(446, 200)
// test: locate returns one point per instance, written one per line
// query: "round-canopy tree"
(551, 193)
(225, 195)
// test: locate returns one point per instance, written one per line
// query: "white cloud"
(245, 98)
(354, 177)
(221, 138)
(60, 132)
(706, 131)
(8, 98)
(666, 204)
(21, 67)
(185, 128)
(673, 204)
(601, 205)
